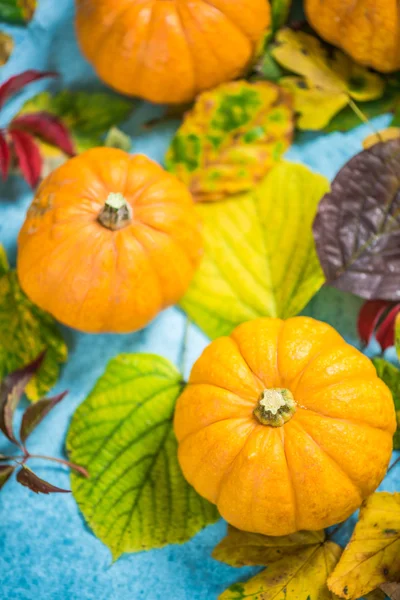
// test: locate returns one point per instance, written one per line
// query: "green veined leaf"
(233, 136)
(391, 376)
(136, 497)
(260, 257)
(25, 331)
(17, 11)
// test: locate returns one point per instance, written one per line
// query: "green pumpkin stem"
(116, 212)
(275, 407)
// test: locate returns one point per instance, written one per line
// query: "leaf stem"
(61, 461)
(396, 462)
(363, 118)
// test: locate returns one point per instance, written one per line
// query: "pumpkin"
(168, 52)
(109, 240)
(284, 426)
(368, 30)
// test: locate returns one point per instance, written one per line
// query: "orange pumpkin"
(368, 30)
(109, 240)
(284, 426)
(168, 52)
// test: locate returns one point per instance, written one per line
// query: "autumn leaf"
(233, 136)
(391, 133)
(136, 497)
(29, 479)
(17, 11)
(259, 256)
(391, 376)
(392, 590)
(324, 84)
(377, 318)
(6, 47)
(25, 331)
(357, 227)
(372, 557)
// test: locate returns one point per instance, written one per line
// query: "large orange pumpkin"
(109, 240)
(168, 52)
(368, 30)
(284, 426)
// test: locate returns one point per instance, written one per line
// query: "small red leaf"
(11, 390)
(35, 413)
(385, 330)
(48, 127)
(28, 155)
(369, 316)
(29, 479)
(17, 82)
(5, 473)
(5, 157)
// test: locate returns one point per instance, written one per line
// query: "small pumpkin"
(168, 52)
(284, 426)
(368, 30)
(109, 240)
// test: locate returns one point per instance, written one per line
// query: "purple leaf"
(5, 157)
(357, 227)
(11, 390)
(5, 473)
(48, 127)
(35, 413)
(29, 479)
(28, 156)
(17, 82)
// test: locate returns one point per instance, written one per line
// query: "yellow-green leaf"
(372, 557)
(397, 335)
(233, 136)
(328, 82)
(17, 11)
(391, 376)
(260, 257)
(240, 548)
(136, 497)
(26, 330)
(6, 47)
(298, 576)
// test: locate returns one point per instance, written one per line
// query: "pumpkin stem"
(116, 212)
(275, 407)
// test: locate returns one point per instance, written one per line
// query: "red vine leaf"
(28, 156)
(357, 227)
(11, 390)
(35, 413)
(13, 85)
(46, 126)
(5, 473)
(385, 331)
(29, 479)
(5, 157)
(369, 316)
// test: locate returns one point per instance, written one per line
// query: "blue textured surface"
(46, 551)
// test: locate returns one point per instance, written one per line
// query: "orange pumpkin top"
(284, 426)
(168, 52)
(368, 30)
(109, 240)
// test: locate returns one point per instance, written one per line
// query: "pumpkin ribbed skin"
(169, 51)
(368, 30)
(309, 473)
(95, 279)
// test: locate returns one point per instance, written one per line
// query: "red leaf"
(5, 157)
(385, 330)
(29, 479)
(35, 413)
(369, 316)
(5, 473)
(48, 127)
(16, 83)
(28, 155)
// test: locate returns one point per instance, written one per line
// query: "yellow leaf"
(299, 576)
(6, 47)
(329, 81)
(260, 257)
(230, 140)
(240, 548)
(372, 557)
(391, 133)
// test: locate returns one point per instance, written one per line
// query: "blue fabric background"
(46, 551)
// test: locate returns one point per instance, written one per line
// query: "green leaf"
(88, 116)
(260, 258)
(25, 331)
(136, 497)
(347, 118)
(391, 376)
(17, 11)
(233, 136)
(279, 13)
(116, 138)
